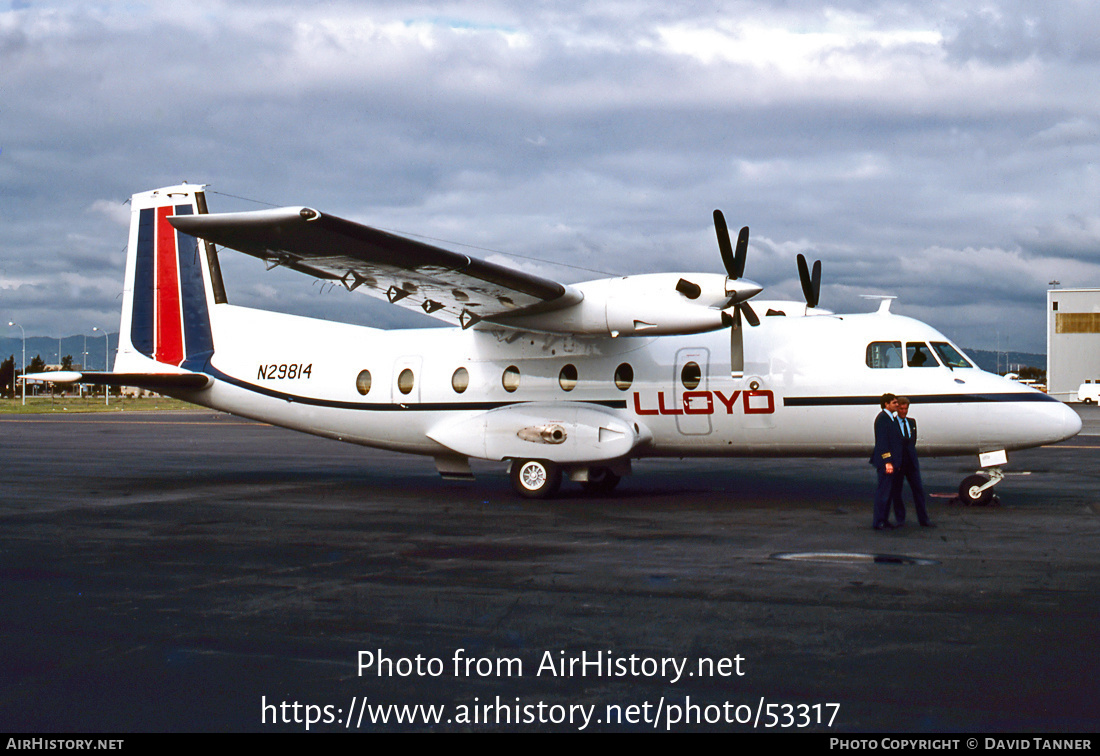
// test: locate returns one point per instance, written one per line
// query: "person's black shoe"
(928, 524)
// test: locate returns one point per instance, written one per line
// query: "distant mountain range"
(47, 348)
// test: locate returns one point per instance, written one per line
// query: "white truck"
(1089, 392)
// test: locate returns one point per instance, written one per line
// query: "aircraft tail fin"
(172, 282)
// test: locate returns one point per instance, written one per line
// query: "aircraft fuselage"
(807, 388)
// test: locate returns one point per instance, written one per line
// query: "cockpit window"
(884, 354)
(917, 354)
(950, 355)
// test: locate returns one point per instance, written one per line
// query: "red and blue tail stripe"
(171, 320)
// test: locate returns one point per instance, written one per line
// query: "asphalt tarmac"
(196, 572)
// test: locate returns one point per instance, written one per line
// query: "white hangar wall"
(1073, 340)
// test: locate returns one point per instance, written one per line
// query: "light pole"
(106, 364)
(12, 323)
(84, 363)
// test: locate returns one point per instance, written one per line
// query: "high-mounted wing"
(444, 284)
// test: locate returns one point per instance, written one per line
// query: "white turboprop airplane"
(559, 380)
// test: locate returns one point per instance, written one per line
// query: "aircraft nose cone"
(1071, 423)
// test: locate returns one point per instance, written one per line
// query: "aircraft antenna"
(246, 199)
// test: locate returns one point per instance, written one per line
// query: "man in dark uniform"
(886, 459)
(910, 468)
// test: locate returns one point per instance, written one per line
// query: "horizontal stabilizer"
(151, 381)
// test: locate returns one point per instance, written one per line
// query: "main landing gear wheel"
(535, 478)
(969, 493)
(600, 481)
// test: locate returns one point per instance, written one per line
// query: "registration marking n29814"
(284, 370)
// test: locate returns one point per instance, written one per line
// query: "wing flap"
(444, 284)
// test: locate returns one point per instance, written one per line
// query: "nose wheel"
(977, 490)
(973, 491)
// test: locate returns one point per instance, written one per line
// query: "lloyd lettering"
(708, 403)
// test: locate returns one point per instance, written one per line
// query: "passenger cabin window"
(510, 379)
(460, 381)
(405, 381)
(950, 355)
(884, 354)
(624, 376)
(567, 378)
(917, 354)
(362, 382)
(691, 376)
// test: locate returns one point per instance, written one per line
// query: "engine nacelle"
(659, 304)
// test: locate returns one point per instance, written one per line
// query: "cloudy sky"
(943, 152)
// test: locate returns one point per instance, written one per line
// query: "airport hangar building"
(1073, 340)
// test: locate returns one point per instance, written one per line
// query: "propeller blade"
(804, 277)
(750, 316)
(742, 252)
(737, 353)
(811, 284)
(816, 282)
(724, 245)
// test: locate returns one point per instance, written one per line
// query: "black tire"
(535, 478)
(601, 481)
(968, 493)
(1087, 400)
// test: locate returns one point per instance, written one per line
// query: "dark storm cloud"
(945, 153)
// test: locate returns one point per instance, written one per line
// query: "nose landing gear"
(977, 489)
